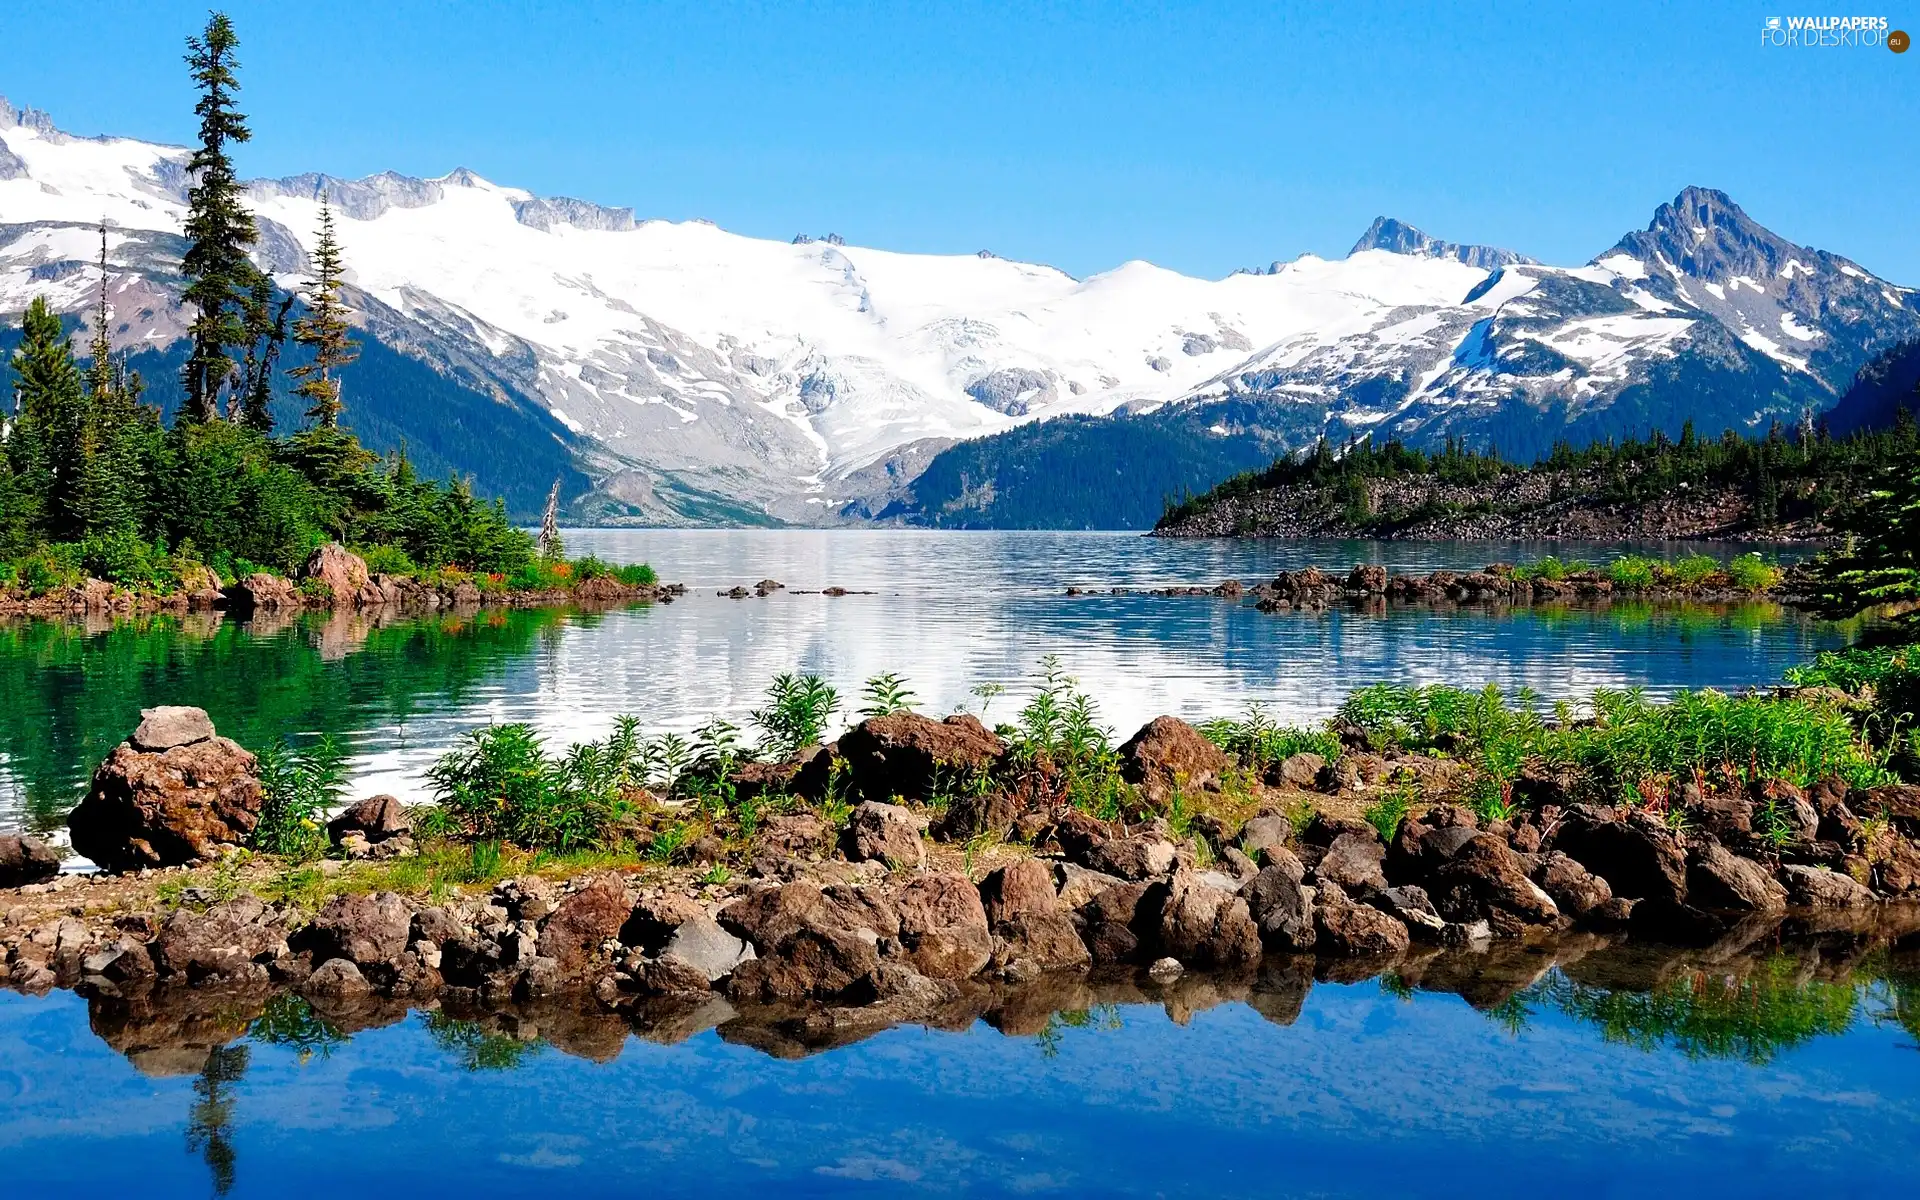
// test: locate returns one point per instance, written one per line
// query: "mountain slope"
(690, 374)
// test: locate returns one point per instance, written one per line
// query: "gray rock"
(705, 947)
(171, 725)
(885, 833)
(337, 979)
(1817, 887)
(25, 860)
(1281, 908)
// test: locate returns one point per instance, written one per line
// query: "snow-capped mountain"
(698, 374)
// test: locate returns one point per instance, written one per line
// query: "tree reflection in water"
(210, 1121)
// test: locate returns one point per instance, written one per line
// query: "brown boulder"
(1143, 856)
(1355, 930)
(1353, 861)
(582, 922)
(228, 941)
(912, 757)
(169, 725)
(263, 591)
(943, 926)
(1206, 926)
(25, 860)
(1025, 886)
(1487, 880)
(793, 835)
(1167, 753)
(810, 964)
(885, 833)
(182, 805)
(367, 930)
(653, 920)
(1301, 771)
(1817, 887)
(341, 574)
(1121, 924)
(1575, 890)
(1640, 858)
(377, 818)
(1721, 881)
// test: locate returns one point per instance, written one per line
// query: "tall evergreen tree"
(324, 330)
(100, 375)
(52, 424)
(219, 228)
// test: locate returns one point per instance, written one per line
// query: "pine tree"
(266, 329)
(324, 330)
(51, 422)
(219, 228)
(100, 376)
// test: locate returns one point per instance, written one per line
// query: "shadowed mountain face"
(676, 373)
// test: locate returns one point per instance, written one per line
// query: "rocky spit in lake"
(891, 910)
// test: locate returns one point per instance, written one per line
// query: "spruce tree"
(266, 329)
(324, 330)
(219, 228)
(51, 423)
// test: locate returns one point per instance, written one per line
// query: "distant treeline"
(1804, 476)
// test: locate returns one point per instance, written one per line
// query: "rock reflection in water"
(431, 1080)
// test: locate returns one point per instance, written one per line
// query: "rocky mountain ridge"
(695, 376)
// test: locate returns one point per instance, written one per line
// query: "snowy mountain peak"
(1703, 251)
(1396, 236)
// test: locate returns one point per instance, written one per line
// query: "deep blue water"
(1368, 1091)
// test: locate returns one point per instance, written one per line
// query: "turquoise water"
(947, 610)
(1607, 1074)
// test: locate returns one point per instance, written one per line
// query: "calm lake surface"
(948, 611)
(1620, 1072)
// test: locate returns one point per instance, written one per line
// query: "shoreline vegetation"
(1800, 487)
(911, 865)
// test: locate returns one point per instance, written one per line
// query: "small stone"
(1165, 970)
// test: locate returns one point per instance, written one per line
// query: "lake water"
(948, 611)
(1616, 1072)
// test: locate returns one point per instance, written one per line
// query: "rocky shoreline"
(1369, 585)
(332, 580)
(905, 908)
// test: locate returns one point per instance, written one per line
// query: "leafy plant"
(298, 787)
(886, 695)
(797, 712)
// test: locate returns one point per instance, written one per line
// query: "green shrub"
(501, 784)
(636, 575)
(1632, 573)
(591, 568)
(388, 560)
(798, 709)
(1750, 572)
(1256, 741)
(1694, 569)
(298, 788)
(50, 568)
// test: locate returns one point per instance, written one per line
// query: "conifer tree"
(51, 422)
(219, 228)
(100, 374)
(324, 330)
(266, 327)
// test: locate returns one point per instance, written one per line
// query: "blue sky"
(1199, 137)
